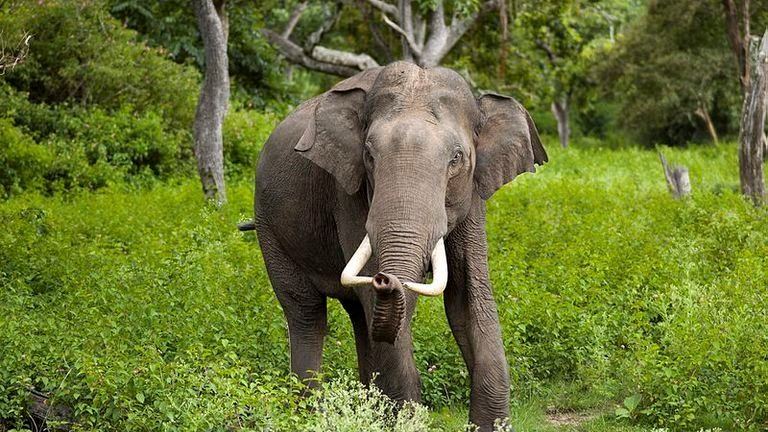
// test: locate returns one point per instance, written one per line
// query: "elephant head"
(421, 145)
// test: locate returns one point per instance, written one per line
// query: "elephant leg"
(306, 331)
(362, 344)
(303, 305)
(474, 320)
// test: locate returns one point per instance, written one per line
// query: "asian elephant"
(360, 189)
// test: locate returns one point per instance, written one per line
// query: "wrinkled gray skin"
(406, 155)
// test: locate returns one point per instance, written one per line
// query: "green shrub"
(21, 160)
(245, 132)
(80, 55)
(132, 142)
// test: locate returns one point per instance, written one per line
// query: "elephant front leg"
(474, 320)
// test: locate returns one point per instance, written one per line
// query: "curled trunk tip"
(388, 309)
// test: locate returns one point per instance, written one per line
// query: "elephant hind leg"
(303, 305)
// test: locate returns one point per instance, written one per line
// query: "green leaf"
(632, 402)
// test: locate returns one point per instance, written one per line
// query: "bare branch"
(294, 19)
(9, 60)
(420, 30)
(553, 58)
(296, 55)
(327, 24)
(385, 8)
(406, 21)
(415, 49)
(344, 58)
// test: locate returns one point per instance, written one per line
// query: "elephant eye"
(457, 158)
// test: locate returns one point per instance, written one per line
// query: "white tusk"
(349, 277)
(439, 273)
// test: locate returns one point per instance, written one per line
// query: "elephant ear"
(507, 143)
(333, 139)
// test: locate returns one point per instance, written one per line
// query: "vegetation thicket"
(127, 299)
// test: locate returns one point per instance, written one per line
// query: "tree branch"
(442, 38)
(406, 21)
(343, 58)
(415, 49)
(315, 37)
(295, 54)
(460, 26)
(294, 19)
(385, 8)
(738, 43)
(553, 58)
(15, 57)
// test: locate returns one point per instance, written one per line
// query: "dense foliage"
(103, 110)
(143, 309)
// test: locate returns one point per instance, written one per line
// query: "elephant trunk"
(388, 309)
(399, 263)
(406, 223)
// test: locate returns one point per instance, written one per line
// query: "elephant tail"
(246, 226)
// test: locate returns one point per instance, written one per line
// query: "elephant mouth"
(350, 276)
(389, 303)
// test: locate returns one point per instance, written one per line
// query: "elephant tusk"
(439, 274)
(349, 277)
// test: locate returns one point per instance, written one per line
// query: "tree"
(426, 37)
(560, 38)
(752, 132)
(256, 76)
(752, 140)
(214, 98)
(672, 74)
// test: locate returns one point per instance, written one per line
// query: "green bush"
(132, 142)
(80, 55)
(245, 132)
(21, 160)
(66, 148)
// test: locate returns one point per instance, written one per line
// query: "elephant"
(364, 190)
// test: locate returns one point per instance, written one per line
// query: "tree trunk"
(753, 128)
(504, 46)
(560, 111)
(214, 98)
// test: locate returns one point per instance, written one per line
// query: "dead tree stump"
(678, 180)
(751, 133)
